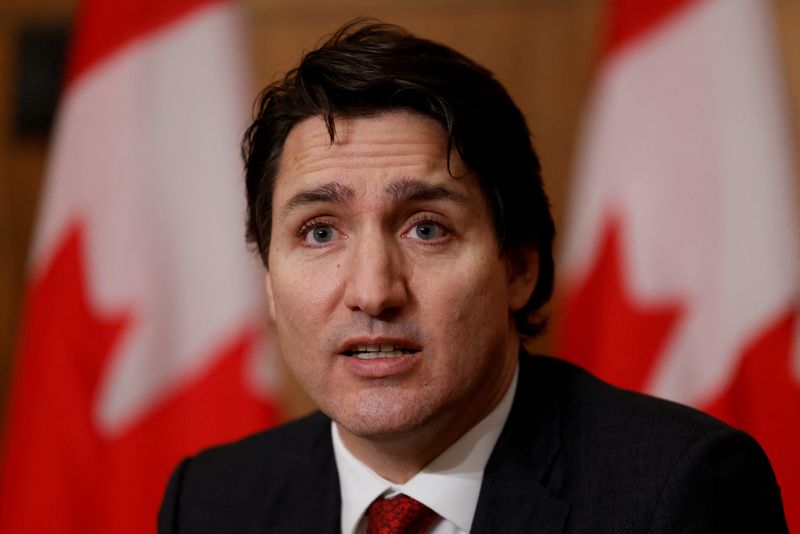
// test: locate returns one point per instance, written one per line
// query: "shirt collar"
(449, 485)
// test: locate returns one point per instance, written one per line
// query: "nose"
(376, 283)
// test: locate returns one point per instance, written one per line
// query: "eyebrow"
(408, 189)
(330, 192)
(403, 190)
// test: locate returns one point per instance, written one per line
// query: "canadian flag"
(680, 265)
(142, 337)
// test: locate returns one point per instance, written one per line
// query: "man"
(397, 204)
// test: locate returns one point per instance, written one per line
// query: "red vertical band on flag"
(630, 19)
(103, 27)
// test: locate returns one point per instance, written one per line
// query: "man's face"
(390, 297)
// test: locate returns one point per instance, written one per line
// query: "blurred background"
(543, 51)
(547, 53)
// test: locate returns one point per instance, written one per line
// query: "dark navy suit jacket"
(576, 455)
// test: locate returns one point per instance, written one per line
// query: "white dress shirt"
(449, 485)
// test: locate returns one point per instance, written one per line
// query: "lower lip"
(380, 367)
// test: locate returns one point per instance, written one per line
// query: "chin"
(380, 432)
(381, 419)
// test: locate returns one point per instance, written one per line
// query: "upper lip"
(354, 343)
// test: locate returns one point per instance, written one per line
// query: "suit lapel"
(310, 500)
(513, 496)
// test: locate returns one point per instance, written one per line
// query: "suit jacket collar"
(311, 501)
(514, 497)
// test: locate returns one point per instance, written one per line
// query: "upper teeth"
(370, 352)
(375, 348)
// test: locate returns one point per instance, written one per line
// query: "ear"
(523, 272)
(270, 295)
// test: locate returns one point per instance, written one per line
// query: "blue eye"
(429, 230)
(320, 234)
(426, 231)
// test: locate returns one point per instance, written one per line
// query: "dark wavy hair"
(368, 67)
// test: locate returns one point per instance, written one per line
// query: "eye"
(427, 229)
(318, 233)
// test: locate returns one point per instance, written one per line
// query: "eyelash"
(311, 224)
(426, 218)
(422, 218)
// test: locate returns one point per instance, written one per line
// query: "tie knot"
(400, 515)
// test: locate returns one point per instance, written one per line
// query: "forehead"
(366, 152)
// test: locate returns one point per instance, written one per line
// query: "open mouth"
(372, 352)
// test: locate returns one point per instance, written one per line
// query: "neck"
(397, 458)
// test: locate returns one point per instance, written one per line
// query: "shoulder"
(625, 458)
(256, 480)
(590, 409)
(274, 450)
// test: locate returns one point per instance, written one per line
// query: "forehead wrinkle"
(330, 192)
(408, 189)
(361, 157)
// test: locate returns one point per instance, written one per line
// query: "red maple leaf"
(604, 328)
(59, 472)
(764, 399)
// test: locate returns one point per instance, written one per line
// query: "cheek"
(305, 305)
(299, 323)
(299, 317)
(301, 294)
(468, 301)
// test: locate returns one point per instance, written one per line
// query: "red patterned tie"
(400, 515)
